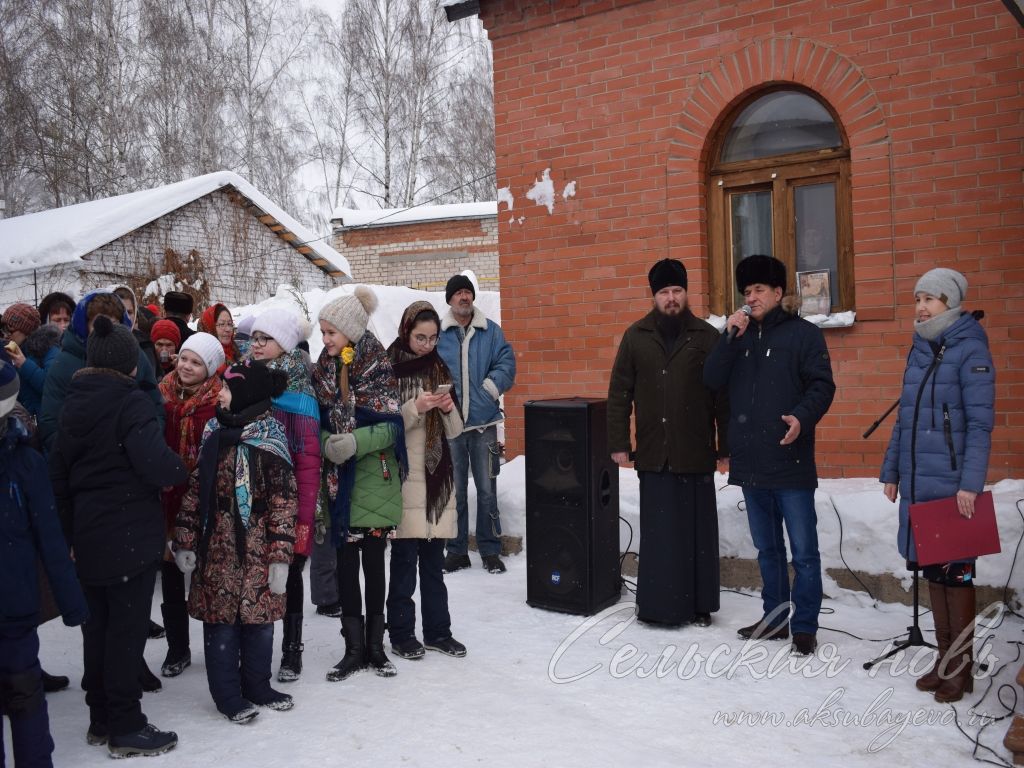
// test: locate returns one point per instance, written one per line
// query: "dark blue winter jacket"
(72, 358)
(778, 366)
(943, 434)
(30, 532)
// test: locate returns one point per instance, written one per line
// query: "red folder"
(942, 535)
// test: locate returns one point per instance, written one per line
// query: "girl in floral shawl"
(428, 504)
(190, 394)
(275, 336)
(363, 440)
(236, 530)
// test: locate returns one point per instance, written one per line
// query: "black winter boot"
(291, 647)
(355, 649)
(375, 647)
(150, 682)
(179, 656)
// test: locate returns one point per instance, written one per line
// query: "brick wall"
(623, 98)
(422, 255)
(244, 261)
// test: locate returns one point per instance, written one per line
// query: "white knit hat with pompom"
(350, 314)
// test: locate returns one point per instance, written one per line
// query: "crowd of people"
(223, 458)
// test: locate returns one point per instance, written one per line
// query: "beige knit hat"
(350, 314)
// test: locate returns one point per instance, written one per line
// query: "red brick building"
(641, 129)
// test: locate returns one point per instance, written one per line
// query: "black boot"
(375, 647)
(54, 683)
(355, 649)
(179, 655)
(149, 681)
(291, 648)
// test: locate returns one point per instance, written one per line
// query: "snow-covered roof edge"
(346, 218)
(62, 235)
(460, 9)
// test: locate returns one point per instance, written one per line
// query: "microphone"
(745, 309)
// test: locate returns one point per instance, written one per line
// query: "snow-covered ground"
(546, 689)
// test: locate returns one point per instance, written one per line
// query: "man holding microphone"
(775, 367)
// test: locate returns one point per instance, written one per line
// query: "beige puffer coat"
(414, 490)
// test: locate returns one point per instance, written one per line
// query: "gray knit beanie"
(350, 314)
(947, 285)
(111, 346)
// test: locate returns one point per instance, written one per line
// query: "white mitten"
(340, 448)
(185, 559)
(278, 578)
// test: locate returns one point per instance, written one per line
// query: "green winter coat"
(376, 500)
(680, 423)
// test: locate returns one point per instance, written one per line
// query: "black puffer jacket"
(108, 464)
(779, 366)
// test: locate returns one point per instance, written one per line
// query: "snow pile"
(868, 523)
(835, 320)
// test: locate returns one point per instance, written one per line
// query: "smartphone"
(443, 389)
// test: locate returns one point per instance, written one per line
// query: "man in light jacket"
(483, 367)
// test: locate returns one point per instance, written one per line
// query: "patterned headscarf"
(415, 374)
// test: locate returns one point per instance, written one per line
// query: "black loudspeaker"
(572, 507)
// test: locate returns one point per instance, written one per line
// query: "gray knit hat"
(111, 346)
(947, 285)
(10, 383)
(350, 314)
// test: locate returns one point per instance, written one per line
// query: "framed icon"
(815, 290)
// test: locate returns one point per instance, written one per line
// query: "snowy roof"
(346, 218)
(61, 235)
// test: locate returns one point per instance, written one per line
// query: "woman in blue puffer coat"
(940, 448)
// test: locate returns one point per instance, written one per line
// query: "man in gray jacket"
(680, 432)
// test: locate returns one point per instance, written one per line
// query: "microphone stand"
(914, 637)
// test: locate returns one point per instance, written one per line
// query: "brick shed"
(633, 130)
(215, 236)
(420, 247)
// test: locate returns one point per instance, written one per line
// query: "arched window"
(780, 185)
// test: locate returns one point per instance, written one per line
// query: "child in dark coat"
(236, 534)
(29, 530)
(108, 464)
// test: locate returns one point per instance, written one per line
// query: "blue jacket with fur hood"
(942, 438)
(482, 365)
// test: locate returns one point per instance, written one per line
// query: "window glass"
(780, 123)
(816, 232)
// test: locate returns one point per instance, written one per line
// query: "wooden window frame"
(782, 175)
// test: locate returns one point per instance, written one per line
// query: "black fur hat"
(665, 273)
(757, 268)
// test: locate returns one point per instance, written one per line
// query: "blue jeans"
(477, 450)
(767, 510)
(238, 660)
(23, 702)
(429, 554)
